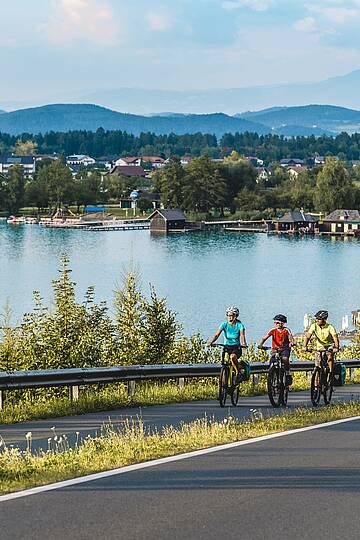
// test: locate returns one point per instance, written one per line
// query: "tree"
(119, 185)
(238, 174)
(204, 187)
(59, 182)
(27, 148)
(170, 182)
(334, 188)
(88, 188)
(144, 204)
(14, 189)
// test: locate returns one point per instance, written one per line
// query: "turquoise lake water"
(199, 273)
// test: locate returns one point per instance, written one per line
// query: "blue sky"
(51, 49)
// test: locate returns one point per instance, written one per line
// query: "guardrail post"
(131, 388)
(74, 393)
(351, 373)
(181, 382)
(1, 400)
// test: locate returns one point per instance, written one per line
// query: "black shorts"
(232, 349)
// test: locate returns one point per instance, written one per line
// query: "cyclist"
(325, 337)
(282, 339)
(234, 332)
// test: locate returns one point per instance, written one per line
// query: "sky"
(54, 49)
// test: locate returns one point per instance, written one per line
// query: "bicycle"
(277, 385)
(228, 385)
(321, 381)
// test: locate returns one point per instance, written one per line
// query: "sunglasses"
(278, 322)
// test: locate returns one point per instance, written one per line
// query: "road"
(305, 484)
(153, 417)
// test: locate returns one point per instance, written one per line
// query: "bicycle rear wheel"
(275, 387)
(235, 389)
(316, 387)
(223, 378)
(285, 394)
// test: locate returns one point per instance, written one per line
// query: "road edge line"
(168, 459)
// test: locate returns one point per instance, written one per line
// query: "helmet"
(231, 310)
(280, 318)
(322, 314)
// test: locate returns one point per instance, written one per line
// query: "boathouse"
(296, 221)
(344, 222)
(167, 221)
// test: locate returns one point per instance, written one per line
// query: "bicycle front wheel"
(328, 390)
(223, 385)
(274, 387)
(235, 389)
(316, 387)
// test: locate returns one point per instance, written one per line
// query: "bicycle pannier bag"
(339, 374)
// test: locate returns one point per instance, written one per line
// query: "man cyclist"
(325, 337)
(234, 333)
(282, 340)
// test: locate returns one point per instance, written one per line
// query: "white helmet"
(231, 310)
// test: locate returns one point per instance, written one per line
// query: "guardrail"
(75, 377)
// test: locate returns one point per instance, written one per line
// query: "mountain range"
(288, 121)
(340, 91)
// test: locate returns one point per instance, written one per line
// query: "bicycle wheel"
(235, 389)
(274, 387)
(223, 378)
(328, 390)
(285, 392)
(316, 387)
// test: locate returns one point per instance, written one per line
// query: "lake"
(199, 273)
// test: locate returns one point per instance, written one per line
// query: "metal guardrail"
(15, 380)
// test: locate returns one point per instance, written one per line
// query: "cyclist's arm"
(214, 338)
(262, 341)
(243, 338)
(308, 335)
(291, 338)
(336, 341)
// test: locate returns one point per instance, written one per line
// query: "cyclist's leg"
(317, 360)
(234, 358)
(285, 355)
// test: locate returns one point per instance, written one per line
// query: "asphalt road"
(303, 485)
(153, 417)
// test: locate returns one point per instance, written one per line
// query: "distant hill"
(91, 117)
(341, 91)
(2, 112)
(317, 119)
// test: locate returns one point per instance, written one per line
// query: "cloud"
(256, 5)
(335, 11)
(158, 22)
(308, 24)
(86, 20)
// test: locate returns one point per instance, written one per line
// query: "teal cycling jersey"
(232, 332)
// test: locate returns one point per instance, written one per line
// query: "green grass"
(134, 444)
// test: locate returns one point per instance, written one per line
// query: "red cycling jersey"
(280, 338)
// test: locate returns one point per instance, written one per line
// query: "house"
(262, 174)
(296, 221)
(156, 162)
(185, 160)
(28, 164)
(80, 159)
(167, 221)
(295, 171)
(128, 170)
(319, 160)
(128, 162)
(105, 162)
(355, 315)
(342, 222)
(291, 162)
(255, 161)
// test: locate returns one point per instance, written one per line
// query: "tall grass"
(133, 443)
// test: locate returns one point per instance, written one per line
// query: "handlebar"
(223, 345)
(263, 348)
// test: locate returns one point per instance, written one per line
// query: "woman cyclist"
(325, 337)
(234, 333)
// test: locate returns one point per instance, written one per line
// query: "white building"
(28, 163)
(80, 159)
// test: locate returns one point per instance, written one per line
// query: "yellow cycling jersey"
(324, 335)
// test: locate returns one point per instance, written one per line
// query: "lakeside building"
(341, 222)
(291, 162)
(296, 221)
(28, 163)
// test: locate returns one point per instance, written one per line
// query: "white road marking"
(161, 461)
